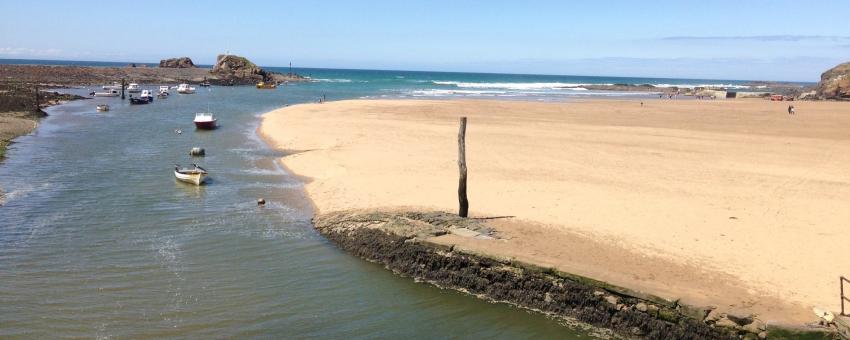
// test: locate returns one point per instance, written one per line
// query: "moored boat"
(163, 92)
(264, 85)
(146, 94)
(137, 101)
(114, 86)
(195, 175)
(109, 93)
(102, 108)
(205, 121)
(185, 89)
(134, 88)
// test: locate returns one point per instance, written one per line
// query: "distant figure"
(641, 104)
(791, 110)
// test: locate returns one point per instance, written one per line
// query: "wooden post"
(37, 100)
(123, 83)
(461, 163)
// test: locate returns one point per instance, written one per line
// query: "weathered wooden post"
(123, 84)
(37, 100)
(461, 163)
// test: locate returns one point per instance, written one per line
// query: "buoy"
(178, 131)
(196, 151)
(261, 201)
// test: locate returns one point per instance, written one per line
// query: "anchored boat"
(185, 89)
(102, 108)
(109, 93)
(163, 92)
(134, 88)
(205, 121)
(264, 85)
(194, 175)
(114, 86)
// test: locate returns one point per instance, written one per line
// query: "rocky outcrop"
(835, 83)
(236, 70)
(227, 63)
(184, 62)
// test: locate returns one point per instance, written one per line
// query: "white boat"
(205, 121)
(102, 108)
(185, 89)
(146, 94)
(114, 86)
(194, 175)
(134, 88)
(108, 93)
(163, 91)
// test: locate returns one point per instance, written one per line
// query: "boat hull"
(206, 125)
(196, 179)
(140, 101)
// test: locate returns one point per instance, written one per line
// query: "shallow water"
(97, 239)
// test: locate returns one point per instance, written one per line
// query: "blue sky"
(769, 40)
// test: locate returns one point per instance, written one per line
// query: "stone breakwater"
(399, 241)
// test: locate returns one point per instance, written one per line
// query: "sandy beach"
(732, 203)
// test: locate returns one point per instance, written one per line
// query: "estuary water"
(98, 240)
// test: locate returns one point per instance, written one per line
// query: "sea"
(98, 240)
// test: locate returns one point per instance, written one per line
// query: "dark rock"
(184, 62)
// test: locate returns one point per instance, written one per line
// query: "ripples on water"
(97, 239)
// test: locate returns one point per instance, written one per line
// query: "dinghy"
(194, 175)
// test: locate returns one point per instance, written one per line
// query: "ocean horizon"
(365, 83)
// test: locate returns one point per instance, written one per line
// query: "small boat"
(109, 93)
(134, 88)
(194, 175)
(205, 121)
(185, 89)
(141, 100)
(146, 94)
(163, 92)
(102, 108)
(264, 85)
(114, 86)
(205, 84)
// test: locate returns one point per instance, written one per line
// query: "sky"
(746, 40)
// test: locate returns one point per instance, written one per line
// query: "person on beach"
(791, 110)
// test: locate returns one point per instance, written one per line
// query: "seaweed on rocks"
(395, 240)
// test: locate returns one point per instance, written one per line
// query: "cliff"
(835, 83)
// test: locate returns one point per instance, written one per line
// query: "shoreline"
(767, 310)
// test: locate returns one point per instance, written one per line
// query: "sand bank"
(727, 203)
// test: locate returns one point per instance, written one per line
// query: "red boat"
(205, 121)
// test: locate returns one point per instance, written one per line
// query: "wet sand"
(727, 203)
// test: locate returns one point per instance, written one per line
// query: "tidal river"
(98, 240)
